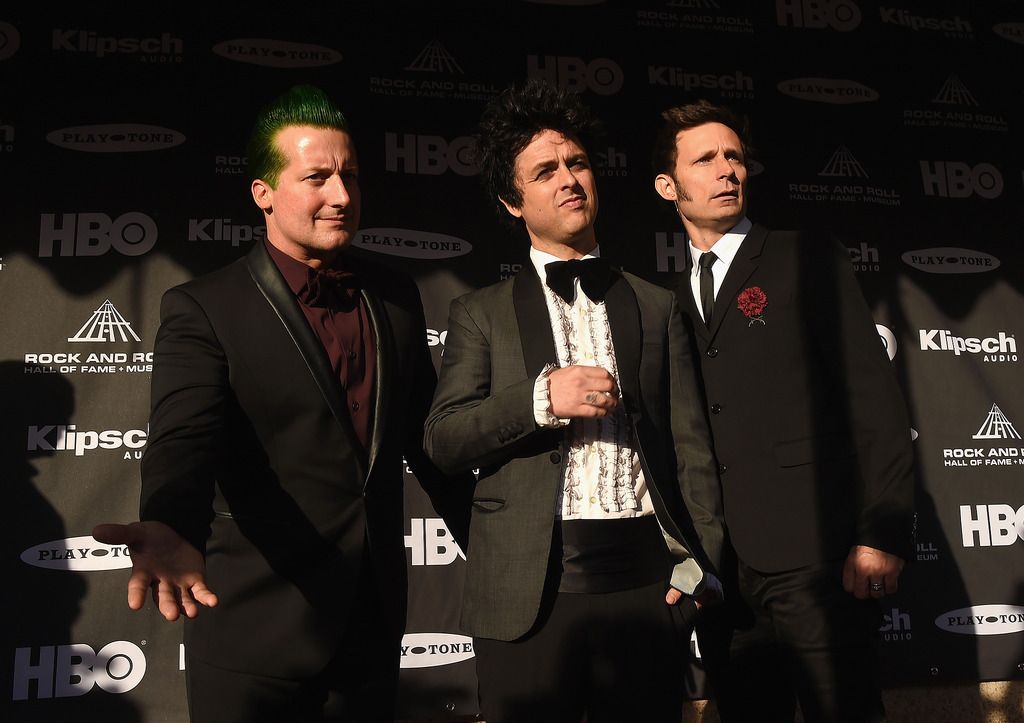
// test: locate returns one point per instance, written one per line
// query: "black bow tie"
(331, 287)
(595, 277)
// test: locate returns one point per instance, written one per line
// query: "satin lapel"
(687, 304)
(274, 289)
(627, 329)
(385, 361)
(534, 323)
(742, 266)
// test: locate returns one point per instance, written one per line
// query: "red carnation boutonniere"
(752, 302)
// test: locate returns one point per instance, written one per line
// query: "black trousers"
(616, 656)
(789, 636)
(359, 683)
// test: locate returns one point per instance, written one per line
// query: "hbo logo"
(956, 179)
(841, 15)
(64, 671)
(601, 75)
(93, 234)
(429, 155)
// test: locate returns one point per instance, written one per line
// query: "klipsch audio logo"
(68, 438)
(428, 650)
(727, 85)
(841, 15)
(115, 138)
(864, 257)
(895, 626)
(10, 39)
(694, 15)
(163, 49)
(222, 229)
(828, 90)
(602, 76)
(983, 620)
(997, 429)
(430, 543)
(65, 671)
(95, 234)
(953, 106)
(950, 260)
(433, 73)
(104, 326)
(610, 162)
(77, 554)
(845, 181)
(950, 27)
(1001, 348)
(276, 53)
(429, 155)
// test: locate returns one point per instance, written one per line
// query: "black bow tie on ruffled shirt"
(330, 287)
(595, 277)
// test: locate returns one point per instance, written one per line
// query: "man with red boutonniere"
(811, 435)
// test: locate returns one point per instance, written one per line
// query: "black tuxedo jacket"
(808, 422)
(499, 339)
(252, 458)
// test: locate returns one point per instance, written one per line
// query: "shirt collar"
(540, 259)
(296, 274)
(726, 247)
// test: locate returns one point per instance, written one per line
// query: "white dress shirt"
(725, 249)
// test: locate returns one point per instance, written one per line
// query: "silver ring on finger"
(876, 587)
(591, 397)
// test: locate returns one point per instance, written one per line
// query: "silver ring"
(876, 587)
(591, 397)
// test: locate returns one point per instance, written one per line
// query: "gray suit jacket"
(499, 339)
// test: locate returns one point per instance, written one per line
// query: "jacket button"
(555, 458)
(712, 352)
(716, 408)
(722, 469)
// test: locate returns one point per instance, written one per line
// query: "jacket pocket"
(487, 504)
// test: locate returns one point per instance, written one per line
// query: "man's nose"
(338, 194)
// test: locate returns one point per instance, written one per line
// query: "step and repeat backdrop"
(896, 127)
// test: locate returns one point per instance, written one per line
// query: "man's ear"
(262, 194)
(518, 213)
(665, 187)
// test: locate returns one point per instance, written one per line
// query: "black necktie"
(707, 285)
(595, 277)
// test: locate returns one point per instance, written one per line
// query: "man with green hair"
(272, 483)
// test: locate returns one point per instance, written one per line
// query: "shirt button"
(352, 354)
(722, 469)
(589, 355)
(355, 406)
(712, 352)
(716, 408)
(593, 500)
(555, 458)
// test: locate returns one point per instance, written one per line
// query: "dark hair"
(691, 115)
(300, 105)
(512, 119)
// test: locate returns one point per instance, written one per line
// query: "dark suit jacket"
(252, 458)
(499, 339)
(808, 422)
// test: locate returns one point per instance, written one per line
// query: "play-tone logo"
(429, 650)
(80, 554)
(115, 138)
(950, 260)
(840, 15)
(983, 620)
(276, 53)
(66, 671)
(828, 90)
(411, 244)
(888, 340)
(1014, 32)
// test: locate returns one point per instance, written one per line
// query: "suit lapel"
(533, 321)
(274, 289)
(385, 359)
(743, 265)
(626, 328)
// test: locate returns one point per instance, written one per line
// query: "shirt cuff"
(542, 400)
